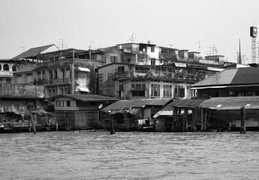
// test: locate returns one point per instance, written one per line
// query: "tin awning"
(83, 89)
(83, 69)
(231, 103)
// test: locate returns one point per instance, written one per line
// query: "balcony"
(53, 82)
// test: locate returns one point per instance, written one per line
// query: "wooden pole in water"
(202, 122)
(173, 120)
(242, 126)
(32, 123)
(111, 123)
(194, 113)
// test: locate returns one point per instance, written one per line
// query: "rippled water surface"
(129, 155)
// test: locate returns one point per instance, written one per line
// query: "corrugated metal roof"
(86, 97)
(222, 78)
(128, 104)
(187, 103)
(231, 77)
(33, 52)
(231, 103)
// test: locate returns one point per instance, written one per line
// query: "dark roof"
(231, 77)
(128, 104)
(190, 103)
(33, 52)
(187, 103)
(86, 97)
(231, 103)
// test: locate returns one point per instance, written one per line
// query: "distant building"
(7, 67)
(148, 71)
(78, 111)
(69, 71)
(230, 82)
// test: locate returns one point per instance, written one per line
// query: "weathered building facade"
(69, 71)
(148, 71)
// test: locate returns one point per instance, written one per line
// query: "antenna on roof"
(62, 43)
(132, 38)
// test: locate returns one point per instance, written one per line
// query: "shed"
(129, 114)
(179, 115)
(228, 109)
(80, 111)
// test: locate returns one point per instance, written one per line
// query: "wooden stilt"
(32, 123)
(242, 127)
(112, 126)
(173, 120)
(185, 119)
(194, 113)
(202, 120)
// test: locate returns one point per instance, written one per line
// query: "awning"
(83, 69)
(180, 64)
(135, 111)
(231, 103)
(163, 113)
(83, 89)
(210, 87)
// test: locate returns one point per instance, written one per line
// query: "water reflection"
(129, 155)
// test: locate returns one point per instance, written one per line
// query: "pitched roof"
(33, 52)
(128, 104)
(86, 97)
(231, 103)
(230, 77)
(183, 103)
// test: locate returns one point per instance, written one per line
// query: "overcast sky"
(196, 25)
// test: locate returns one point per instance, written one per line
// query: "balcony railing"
(53, 82)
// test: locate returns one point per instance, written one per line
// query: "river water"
(129, 155)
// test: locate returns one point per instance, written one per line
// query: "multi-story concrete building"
(128, 71)
(149, 71)
(69, 71)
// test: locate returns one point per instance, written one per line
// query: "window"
(113, 58)
(14, 68)
(167, 91)
(138, 89)
(55, 74)
(155, 90)
(39, 75)
(121, 87)
(100, 77)
(153, 62)
(50, 75)
(121, 69)
(68, 104)
(179, 91)
(6, 67)
(152, 48)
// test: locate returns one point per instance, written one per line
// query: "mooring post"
(32, 123)
(243, 117)
(111, 123)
